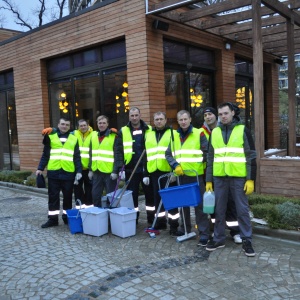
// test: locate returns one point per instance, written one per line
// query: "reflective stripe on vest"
(61, 155)
(127, 144)
(84, 147)
(230, 159)
(156, 159)
(187, 158)
(103, 153)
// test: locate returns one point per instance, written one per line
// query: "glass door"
(244, 100)
(9, 147)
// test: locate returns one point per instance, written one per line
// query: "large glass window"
(244, 100)
(90, 86)
(244, 91)
(61, 103)
(116, 97)
(188, 80)
(175, 93)
(87, 96)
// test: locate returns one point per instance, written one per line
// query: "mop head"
(185, 237)
(152, 230)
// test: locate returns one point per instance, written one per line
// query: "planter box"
(280, 176)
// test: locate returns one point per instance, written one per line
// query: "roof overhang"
(233, 20)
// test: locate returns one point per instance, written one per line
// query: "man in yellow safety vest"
(61, 155)
(188, 153)
(231, 167)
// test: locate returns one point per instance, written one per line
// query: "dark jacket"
(59, 174)
(249, 149)
(138, 148)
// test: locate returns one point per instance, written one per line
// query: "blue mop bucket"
(74, 221)
(181, 196)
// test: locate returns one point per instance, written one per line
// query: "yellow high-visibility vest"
(61, 155)
(230, 159)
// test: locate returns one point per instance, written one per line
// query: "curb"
(257, 229)
(276, 233)
(25, 188)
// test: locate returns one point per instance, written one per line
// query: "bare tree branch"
(61, 4)
(39, 13)
(10, 6)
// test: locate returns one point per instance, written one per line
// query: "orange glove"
(47, 130)
(114, 130)
(249, 187)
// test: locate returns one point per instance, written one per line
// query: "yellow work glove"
(249, 187)
(47, 130)
(208, 187)
(178, 170)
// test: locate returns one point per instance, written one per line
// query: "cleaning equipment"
(209, 202)
(74, 220)
(182, 196)
(195, 196)
(117, 186)
(151, 230)
(128, 181)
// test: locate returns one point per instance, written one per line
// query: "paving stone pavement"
(52, 263)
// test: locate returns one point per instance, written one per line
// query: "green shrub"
(263, 198)
(278, 211)
(261, 211)
(14, 176)
(30, 181)
(289, 214)
(273, 219)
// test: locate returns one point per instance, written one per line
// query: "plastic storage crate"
(181, 196)
(94, 221)
(123, 221)
(126, 200)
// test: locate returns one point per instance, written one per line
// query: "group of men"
(226, 154)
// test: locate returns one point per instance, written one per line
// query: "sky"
(26, 7)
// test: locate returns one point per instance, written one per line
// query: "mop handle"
(127, 183)
(117, 185)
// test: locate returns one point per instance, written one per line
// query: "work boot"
(247, 248)
(50, 223)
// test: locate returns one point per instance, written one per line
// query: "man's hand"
(78, 176)
(173, 178)
(38, 172)
(47, 130)
(146, 180)
(122, 175)
(209, 187)
(113, 176)
(249, 187)
(90, 175)
(179, 171)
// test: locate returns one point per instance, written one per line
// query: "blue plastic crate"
(181, 196)
(74, 221)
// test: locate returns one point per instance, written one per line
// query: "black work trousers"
(54, 188)
(83, 190)
(134, 186)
